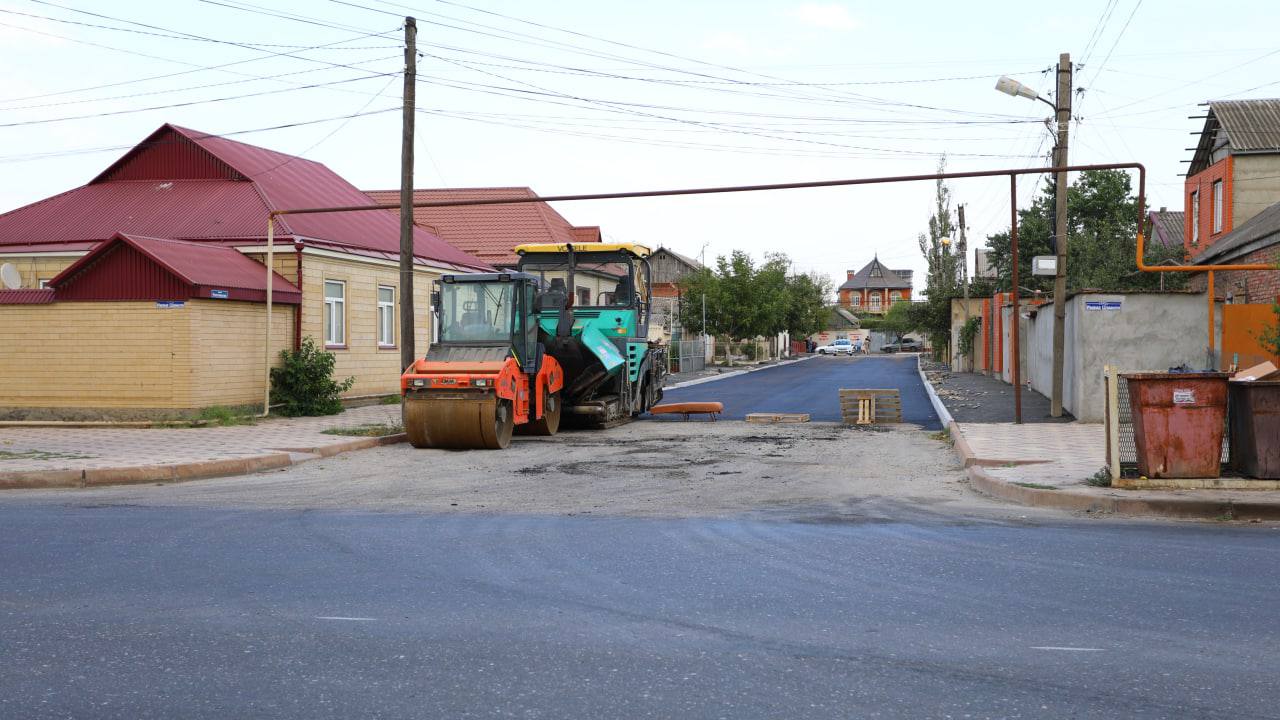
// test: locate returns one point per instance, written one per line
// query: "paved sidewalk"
(71, 457)
(1049, 464)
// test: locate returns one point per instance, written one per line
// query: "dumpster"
(1255, 428)
(1178, 421)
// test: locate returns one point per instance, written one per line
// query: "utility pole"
(1062, 103)
(964, 268)
(407, 351)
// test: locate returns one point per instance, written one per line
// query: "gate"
(687, 356)
(1241, 326)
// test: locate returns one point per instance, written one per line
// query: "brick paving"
(52, 448)
(1064, 453)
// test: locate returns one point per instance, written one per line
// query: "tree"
(1101, 239)
(899, 320)
(806, 309)
(942, 282)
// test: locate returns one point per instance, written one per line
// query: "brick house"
(874, 288)
(1231, 194)
(152, 277)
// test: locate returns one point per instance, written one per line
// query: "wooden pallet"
(777, 417)
(868, 407)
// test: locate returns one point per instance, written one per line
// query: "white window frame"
(387, 318)
(855, 299)
(895, 297)
(42, 284)
(1217, 206)
(875, 301)
(1195, 217)
(335, 333)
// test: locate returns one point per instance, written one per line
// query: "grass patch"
(220, 416)
(1102, 478)
(1035, 486)
(370, 430)
(943, 435)
(42, 455)
(390, 400)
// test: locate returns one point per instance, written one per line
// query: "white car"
(837, 347)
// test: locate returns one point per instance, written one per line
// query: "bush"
(968, 332)
(304, 383)
(749, 351)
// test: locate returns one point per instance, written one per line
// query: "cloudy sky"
(568, 96)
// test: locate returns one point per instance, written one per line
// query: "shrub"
(304, 384)
(968, 333)
(749, 351)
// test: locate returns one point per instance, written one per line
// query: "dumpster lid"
(1176, 376)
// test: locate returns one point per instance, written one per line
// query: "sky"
(573, 97)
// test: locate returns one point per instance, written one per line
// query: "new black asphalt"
(813, 386)
(131, 612)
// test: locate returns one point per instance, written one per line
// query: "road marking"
(1069, 649)
(351, 619)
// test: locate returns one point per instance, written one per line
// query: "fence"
(1122, 452)
(686, 356)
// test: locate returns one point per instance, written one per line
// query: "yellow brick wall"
(134, 355)
(226, 350)
(34, 268)
(284, 262)
(377, 370)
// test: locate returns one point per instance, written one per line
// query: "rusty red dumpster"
(1178, 421)
(1255, 428)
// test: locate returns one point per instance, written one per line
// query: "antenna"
(10, 277)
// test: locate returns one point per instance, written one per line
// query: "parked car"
(904, 345)
(840, 346)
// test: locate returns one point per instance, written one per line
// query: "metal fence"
(1122, 435)
(687, 355)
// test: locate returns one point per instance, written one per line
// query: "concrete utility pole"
(407, 351)
(964, 269)
(1062, 102)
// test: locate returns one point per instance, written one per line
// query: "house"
(841, 324)
(155, 283)
(1166, 232)
(874, 288)
(673, 314)
(1231, 193)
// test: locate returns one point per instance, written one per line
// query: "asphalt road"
(813, 386)
(133, 612)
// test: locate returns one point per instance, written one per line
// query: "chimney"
(849, 274)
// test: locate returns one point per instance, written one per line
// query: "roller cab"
(488, 376)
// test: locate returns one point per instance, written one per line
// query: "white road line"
(1069, 649)
(352, 619)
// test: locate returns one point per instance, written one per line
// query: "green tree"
(807, 310)
(1101, 232)
(898, 321)
(933, 316)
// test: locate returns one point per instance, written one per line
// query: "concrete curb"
(944, 415)
(181, 472)
(734, 373)
(1106, 500)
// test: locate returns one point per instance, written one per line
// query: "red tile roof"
(200, 269)
(183, 184)
(26, 297)
(490, 232)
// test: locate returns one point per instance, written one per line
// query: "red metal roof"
(26, 297)
(179, 183)
(491, 232)
(129, 267)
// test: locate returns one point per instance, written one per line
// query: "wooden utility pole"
(1062, 103)
(963, 247)
(407, 351)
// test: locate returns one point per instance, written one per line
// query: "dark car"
(904, 345)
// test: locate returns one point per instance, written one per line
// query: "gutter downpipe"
(266, 344)
(297, 311)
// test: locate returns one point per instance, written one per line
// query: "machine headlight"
(480, 383)
(419, 382)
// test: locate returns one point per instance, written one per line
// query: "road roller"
(593, 314)
(488, 375)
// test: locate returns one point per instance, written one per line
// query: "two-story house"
(1232, 196)
(874, 288)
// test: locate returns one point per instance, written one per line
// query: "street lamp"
(1062, 115)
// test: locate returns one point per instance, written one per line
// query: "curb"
(181, 472)
(734, 373)
(944, 415)
(1096, 502)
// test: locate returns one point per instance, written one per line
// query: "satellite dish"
(10, 277)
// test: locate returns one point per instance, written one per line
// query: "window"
(335, 313)
(894, 297)
(875, 301)
(584, 297)
(856, 299)
(386, 316)
(1217, 206)
(1195, 218)
(42, 284)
